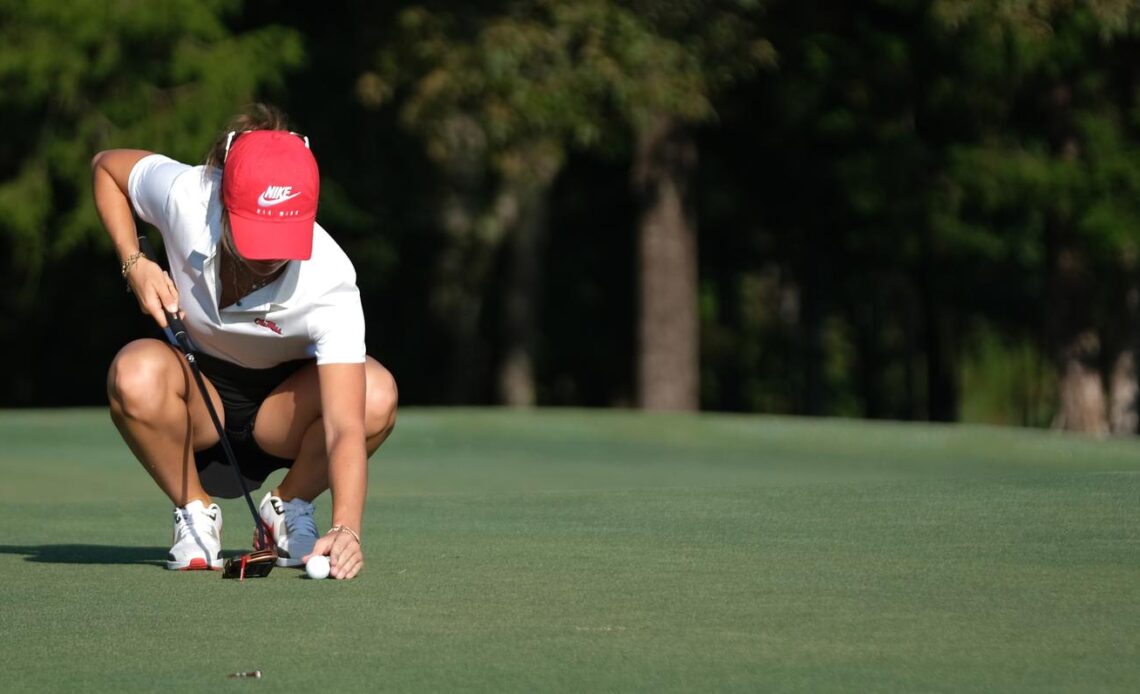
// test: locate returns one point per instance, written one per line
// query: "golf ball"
(317, 567)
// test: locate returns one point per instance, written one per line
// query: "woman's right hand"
(154, 289)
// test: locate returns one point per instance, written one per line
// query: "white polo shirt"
(312, 310)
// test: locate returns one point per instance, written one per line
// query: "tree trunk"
(520, 212)
(1083, 403)
(1124, 383)
(463, 264)
(1123, 418)
(1074, 339)
(520, 318)
(1082, 393)
(668, 323)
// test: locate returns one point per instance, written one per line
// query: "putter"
(259, 563)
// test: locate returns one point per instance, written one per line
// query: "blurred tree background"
(893, 208)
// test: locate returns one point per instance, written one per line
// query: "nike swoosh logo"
(263, 202)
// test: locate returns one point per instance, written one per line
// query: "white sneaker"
(293, 528)
(197, 538)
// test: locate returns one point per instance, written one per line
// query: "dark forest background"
(885, 209)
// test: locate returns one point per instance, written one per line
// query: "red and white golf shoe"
(197, 538)
(293, 528)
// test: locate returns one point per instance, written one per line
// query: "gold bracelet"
(130, 262)
(344, 529)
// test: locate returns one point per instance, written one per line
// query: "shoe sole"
(286, 562)
(195, 564)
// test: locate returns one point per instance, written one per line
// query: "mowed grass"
(601, 551)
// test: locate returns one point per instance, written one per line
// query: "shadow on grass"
(89, 554)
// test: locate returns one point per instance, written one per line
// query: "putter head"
(252, 565)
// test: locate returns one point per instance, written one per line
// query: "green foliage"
(1007, 382)
(502, 95)
(78, 77)
(1033, 19)
(915, 157)
(880, 183)
(561, 72)
(1060, 155)
(1109, 190)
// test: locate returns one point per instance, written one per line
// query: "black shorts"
(242, 391)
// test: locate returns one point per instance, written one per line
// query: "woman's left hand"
(346, 557)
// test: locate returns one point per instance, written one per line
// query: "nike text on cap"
(270, 188)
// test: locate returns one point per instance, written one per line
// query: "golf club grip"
(177, 328)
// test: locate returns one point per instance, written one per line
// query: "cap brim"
(261, 239)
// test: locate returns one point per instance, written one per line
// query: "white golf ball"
(317, 567)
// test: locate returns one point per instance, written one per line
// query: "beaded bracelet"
(344, 529)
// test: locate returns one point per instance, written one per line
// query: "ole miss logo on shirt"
(267, 324)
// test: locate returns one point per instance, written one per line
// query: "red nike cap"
(270, 187)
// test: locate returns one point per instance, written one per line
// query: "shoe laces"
(193, 523)
(299, 518)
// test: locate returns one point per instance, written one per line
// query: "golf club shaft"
(182, 340)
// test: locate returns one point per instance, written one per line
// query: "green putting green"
(590, 551)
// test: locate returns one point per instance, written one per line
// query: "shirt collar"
(207, 255)
(272, 296)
